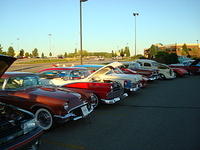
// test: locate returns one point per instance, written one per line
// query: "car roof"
(145, 60)
(13, 74)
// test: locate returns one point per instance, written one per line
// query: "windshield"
(22, 82)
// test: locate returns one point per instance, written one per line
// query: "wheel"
(94, 100)
(162, 76)
(34, 146)
(44, 118)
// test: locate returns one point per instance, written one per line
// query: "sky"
(53, 25)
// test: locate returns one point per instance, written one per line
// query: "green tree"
(166, 58)
(127, 51)
(185, 50)
(11, 51)
(42, 55)
(122, 53)
(35, 53)
(27, 54)
(65, 55)
(1, 49)
(50, 54)
(153, 50)
(21, 53)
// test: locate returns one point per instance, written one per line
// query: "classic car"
(180, 72)
(164, 71)
(135, 68)
(18, 128)
(75, 79)
(192, 66)
(131, 82)
(49, 104)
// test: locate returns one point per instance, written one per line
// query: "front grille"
(117, 91)
(77, 111)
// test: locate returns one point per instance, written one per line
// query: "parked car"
(18, 128)
(135, 68)
(112, 72)
(164, 71)
(75, 79)
(192, 66)
(47, 103)
(180, 72)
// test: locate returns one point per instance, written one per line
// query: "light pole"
(135, 14)
(49, 42)
(81, 35)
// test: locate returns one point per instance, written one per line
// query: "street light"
(81, 46)
(49, 41)
(135, 14)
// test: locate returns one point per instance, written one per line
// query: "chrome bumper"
(112, 101)
(72, 116)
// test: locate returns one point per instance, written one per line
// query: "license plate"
(84, 110)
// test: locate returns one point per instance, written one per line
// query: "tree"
(153, 50)
(50, 54)
(166, 58)
(127, 51)
(185, 50)
(27, 54)
(35, 53)
(122, 53)
(113, 55)
(1, 49)
(21, 53)
(11, 51)
(65, 55)
(42, 55)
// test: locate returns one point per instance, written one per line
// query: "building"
(193, 49)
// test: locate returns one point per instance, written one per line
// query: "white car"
(164, 71)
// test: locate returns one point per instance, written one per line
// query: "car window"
(147, 64)
(15, 83)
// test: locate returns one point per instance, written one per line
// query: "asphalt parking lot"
(163, 116)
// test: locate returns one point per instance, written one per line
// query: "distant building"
(193, 49)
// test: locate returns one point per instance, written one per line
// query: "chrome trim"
(112, 101)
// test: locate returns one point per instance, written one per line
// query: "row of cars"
(60, 94)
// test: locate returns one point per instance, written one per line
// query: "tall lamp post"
(135, 14)
(81, 34)
(49, 42)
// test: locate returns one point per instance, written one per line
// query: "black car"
(18, 128)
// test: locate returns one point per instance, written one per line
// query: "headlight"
(66, 106)
(29, 126)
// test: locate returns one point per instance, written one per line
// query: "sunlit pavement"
(163, 116)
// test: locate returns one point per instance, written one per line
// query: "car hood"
(50, 92)
(5, 63)
(105, 69)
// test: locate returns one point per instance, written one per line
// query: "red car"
(191, 66)
(47, 103)
(73, 78)
(180, 72)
